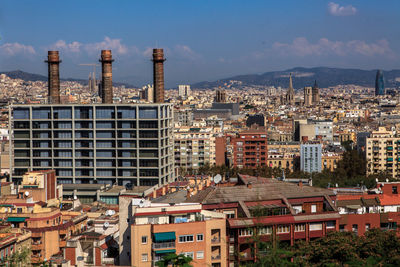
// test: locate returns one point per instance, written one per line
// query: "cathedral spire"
(290, 82)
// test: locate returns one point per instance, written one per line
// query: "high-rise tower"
(106, 77)
(315, 94)
(158, 75)
(379, 83)
(53, 61)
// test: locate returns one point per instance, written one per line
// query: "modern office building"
(95, 143)
(379, 83)
(311, 157)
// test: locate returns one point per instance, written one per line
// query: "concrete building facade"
(96, 143)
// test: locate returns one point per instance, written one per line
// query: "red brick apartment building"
(377, 208)
(250, 148)
(276, 209)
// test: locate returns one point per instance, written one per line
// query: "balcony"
(215, 240)
(37, 246)
(163, 245)
(215, 257)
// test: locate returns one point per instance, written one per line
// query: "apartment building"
(94, 143)
(186, 228)
(272, 210)
(194, 147)
(311, 157)
(382, 153)
(250, 148)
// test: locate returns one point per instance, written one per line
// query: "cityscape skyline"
(201, 44)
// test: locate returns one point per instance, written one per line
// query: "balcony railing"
(216, 257)
(164, 245)
(215, 240)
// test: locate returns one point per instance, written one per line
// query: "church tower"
(290, 93)
(315, 94)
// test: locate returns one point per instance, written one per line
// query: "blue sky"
(203, 40)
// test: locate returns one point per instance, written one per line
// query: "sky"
(203, 40)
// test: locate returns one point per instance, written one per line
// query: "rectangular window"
(367, 226)
(21, 114)
(199, 237)
(186, 238)
(283, 229)
(330, 224)
(189, 254)
(200, 255)
(144, 257)
(313, 208)
(266, 230)
(315, 226)
(144, 239)
(246, 232)
(300, 227)
(148, 112)
(394, 189)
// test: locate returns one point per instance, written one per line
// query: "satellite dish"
(112, 212)
(217, 178)
(106, 224)
(141, 204)
(26, 193)
(108, 212)
(387, 180)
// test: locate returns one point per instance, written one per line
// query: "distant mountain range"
(325, 77)
(26, 76)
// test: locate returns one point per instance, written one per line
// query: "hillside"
(26, 76)
(325, 77)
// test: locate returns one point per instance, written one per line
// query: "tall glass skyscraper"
(379, 83)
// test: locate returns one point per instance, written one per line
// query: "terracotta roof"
(273, 189)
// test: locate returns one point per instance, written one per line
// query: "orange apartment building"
(159, 229)
(27, 210)
(250, 148)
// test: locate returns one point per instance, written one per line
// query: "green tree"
(175, 260)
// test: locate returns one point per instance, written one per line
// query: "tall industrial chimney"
(53, 62)
(158, 75)
(106, 76)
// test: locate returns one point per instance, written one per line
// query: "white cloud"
(186, 52)
(302, 47)
(115, 45)
(11, 49)
(337, 10)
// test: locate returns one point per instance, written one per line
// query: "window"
(394, 189)
(246, 232)
(266, 230)
(300, 227)
(144, 257)
(315, 226)
(199, 237)
(313, 208)
(189, 254)
(148, 112)
(186, 238)
(283, 229)
(330, 224)
(367, 226)
(200, 254)
(144, 239)
(229, 213)
(354, 228)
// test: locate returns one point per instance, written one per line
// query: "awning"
(16, 219)
(165, 251)
(353, 207)
(166, 236)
